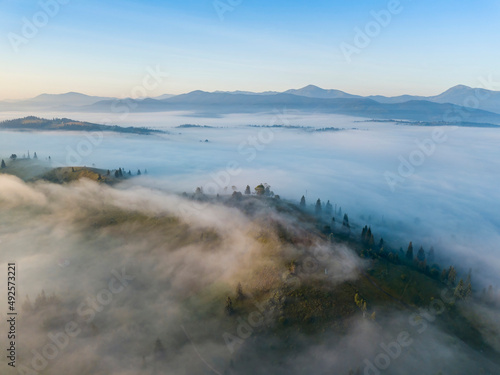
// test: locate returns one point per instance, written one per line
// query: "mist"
(381, 174)
(175, 260)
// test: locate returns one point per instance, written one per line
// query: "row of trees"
(14, 157)
(463, 289)
(120, 173)
(321, 209)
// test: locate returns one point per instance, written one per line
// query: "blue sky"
(105, 47)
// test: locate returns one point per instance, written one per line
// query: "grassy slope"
(312, 308)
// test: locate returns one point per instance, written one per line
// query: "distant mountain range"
(458, 104)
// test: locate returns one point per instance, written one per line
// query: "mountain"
(470, 97)
(210, 104)
(48, 101)
(461, 95)
(161, 97)
(485, 103)
(312, 91)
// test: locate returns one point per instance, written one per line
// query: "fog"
(121, 267)
(65, 243)
(446, 196)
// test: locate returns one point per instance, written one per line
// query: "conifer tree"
(318, 208)
(409, 252)
(239, 292)
(3, 164)
(303, 202)
(345, 222)
(459, 290)
(328, 208)
(421, 254)
(247, 190)
(229, 306)
(452, 276)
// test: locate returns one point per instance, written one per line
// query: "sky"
(106, 48)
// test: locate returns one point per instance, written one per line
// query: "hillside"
(32, 123)
(39, 170)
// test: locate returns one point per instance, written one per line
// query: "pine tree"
(363, 233)
(459, 290)
(303, 202)
(247, 190)
(3, 164)
(229, 306)
(381, 244)
(421, 254)
(138, 172)
(318, 208)
(468, 286)
(452, 276)
(345, 222)
(409, 252)
(444, 275)
(35, 156)
(239, 292)
(328, 208)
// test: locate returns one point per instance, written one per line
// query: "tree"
(13, 157)
(421, 254)
(328, 208)
(260, 189)
(409, 252)
(138, 172)
(363, 233)
(239, 292)
(452, 276)
(345, 222)
(35, 156)
(108, 172)
(381, 244)
(267, 190)
(459, 290)
(247, 190)
(3, 164)
(303, 202)
(318, 208)
(229, 306)
(468, 286)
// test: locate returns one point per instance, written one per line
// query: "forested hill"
(65, 124)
